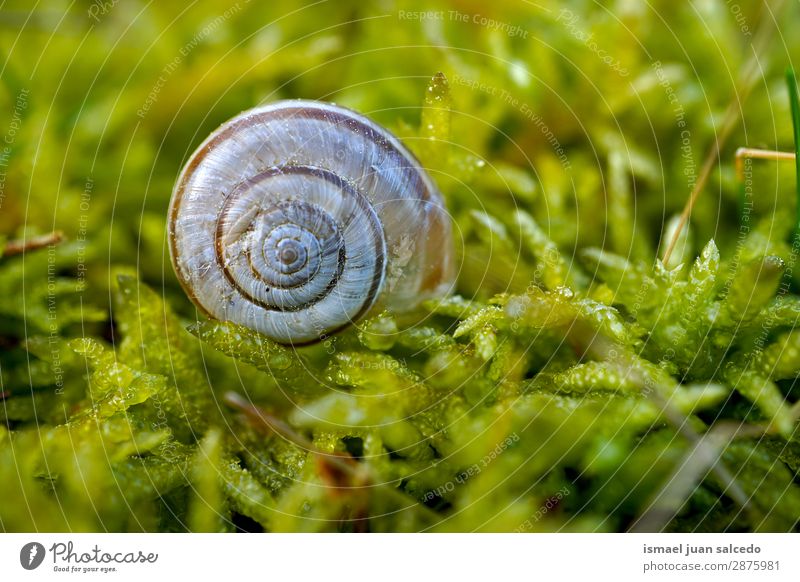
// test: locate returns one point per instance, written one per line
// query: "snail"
(298, 218)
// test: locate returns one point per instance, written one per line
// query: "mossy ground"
(574, 383)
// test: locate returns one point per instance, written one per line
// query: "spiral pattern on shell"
(297, 218)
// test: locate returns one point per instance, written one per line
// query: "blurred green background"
(117, 95)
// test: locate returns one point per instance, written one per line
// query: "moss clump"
(575, 382)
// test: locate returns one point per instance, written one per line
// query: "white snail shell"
(297, 218)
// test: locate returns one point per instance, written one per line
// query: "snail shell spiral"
(297, 218)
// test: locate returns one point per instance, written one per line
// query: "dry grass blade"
(748, 80)
(17, 247)
(705, 449)
(701, 458)
(743, 154)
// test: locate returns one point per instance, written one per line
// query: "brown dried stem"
(17, 247)
(743, 154)
(748, 79)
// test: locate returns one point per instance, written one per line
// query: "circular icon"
(31, 555)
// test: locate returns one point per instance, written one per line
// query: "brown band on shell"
(299, 111)
(366, 283)
(364, 206)
(221, 260)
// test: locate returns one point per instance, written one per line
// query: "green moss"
(563, 386)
